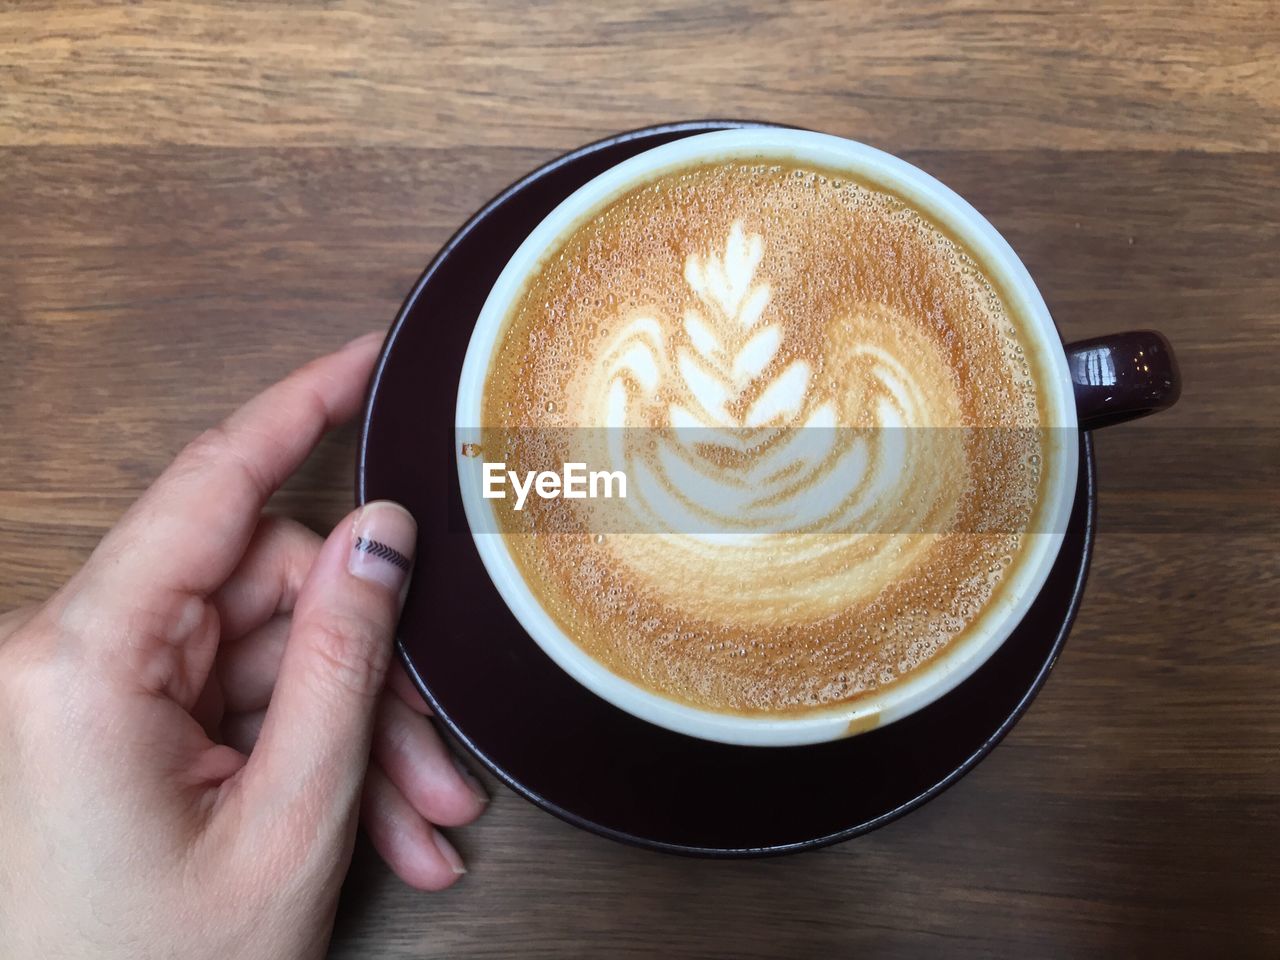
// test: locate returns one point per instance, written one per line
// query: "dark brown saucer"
(559, 745)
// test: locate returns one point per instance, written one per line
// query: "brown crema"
(829, 421)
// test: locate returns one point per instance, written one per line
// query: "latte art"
(800, 377)
(755, 441)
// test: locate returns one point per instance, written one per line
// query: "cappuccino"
(829, 419)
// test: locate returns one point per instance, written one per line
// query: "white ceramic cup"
(944, 207)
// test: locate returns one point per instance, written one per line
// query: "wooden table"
(195, 197)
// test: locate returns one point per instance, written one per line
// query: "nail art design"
(382, 551)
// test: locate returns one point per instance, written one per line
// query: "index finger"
(187, 532)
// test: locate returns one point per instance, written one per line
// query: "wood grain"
(1170, 74)
(195, 197)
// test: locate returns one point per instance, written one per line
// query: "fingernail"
(470, 779)
(382, 549)
(450, 855)
(364, 338)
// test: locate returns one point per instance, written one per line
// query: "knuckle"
(217, 447)
(15, 685)
(32, 676)
(349, 653)
(209, 446)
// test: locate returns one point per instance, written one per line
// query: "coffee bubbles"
(827, 417)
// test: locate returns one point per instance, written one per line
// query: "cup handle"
(1122, 376)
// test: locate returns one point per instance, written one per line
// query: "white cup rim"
(945, 207)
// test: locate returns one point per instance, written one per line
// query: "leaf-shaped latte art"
(723, 432)
(728, 352)
(725, 386)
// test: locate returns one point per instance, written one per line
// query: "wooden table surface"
(195, 197)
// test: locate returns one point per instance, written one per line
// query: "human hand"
(186, 726)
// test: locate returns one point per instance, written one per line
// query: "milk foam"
(773, 359)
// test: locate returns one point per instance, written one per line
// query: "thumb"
(314, 747)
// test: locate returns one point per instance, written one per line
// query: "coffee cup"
(1078, 387)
